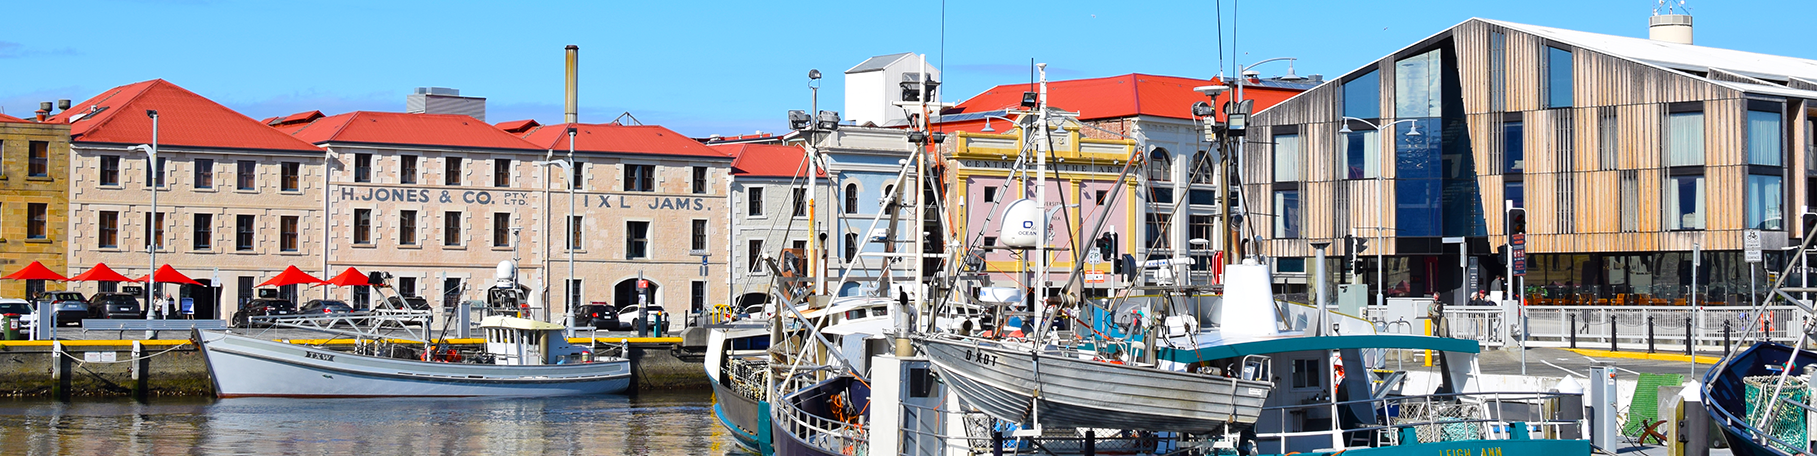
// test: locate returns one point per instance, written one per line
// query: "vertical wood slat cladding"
(1472, 43)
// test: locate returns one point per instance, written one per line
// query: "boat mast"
(1040, 280)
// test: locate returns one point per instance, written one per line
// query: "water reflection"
(649, 424)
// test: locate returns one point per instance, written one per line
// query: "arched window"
(1160, 165)
(887, 190)
(851, 246)
(851, 198)
(1203, 166)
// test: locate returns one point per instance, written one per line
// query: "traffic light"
(1517, 221)
(1107, 246)
(1350, 251)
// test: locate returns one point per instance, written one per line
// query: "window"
(1684, 139)
(1630, 201)
(110, 170)
(1498, 72)
(637, 240)
(203, 234)
(1766, 201)
(1514, 147)
(248, 174)
(501, 172)
(1684, 203)
(1308, 373)
(700, 179)
(205, 173)
(362, 296)
(501, 229)
(888, 190)
(243, 232)
(1515, 191)
(287, 233)
(1160, 166)
(406, 286)
(362, 226)
(154, 236)
(157, 177)
(362, 167)
(851, 198)
(575, 242)
(36, 220)
(799, 199)
(1764, 138)
(110, 230)
(1203, 168)
(1287, 214)
(1558, 78)
(579, 179)
(1157, 231)
(289, 176)
(851, 246)
(574, 292)
(406, 170)
(697, 296)
(754, 195)
(38, 159)
(1286, 158)
(451, 170)
(640, 178)
(1198, 227)
(990, 194)
(700, 235)
(755, 249)
(1607, 141)
(451, 229)
(1417, 89)
(1362, 154)
(1363, 96)
(406, 227)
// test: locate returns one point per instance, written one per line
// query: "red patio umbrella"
(290, 276)
(35, 271)
(167, 274)
(348, 278)
(101, 273)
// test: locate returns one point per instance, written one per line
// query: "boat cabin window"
(1308, 373)
(751, 343)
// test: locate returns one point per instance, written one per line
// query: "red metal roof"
(518, 126)
(309, 116)
(369, 127)
(1117, 96)
(768, 160)
(620, 139)
(7, 118)
(184, 119)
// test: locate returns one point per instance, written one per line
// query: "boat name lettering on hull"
(981, 358)
(320, 356)
(1493, 451)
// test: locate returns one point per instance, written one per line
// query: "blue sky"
(733, 67)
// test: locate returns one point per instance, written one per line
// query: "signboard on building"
(1750, 240)
(1094, 277)
(1517, 251)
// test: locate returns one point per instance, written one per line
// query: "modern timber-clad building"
(1626, 153)
(34, 201)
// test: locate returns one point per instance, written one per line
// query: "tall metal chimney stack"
(1670, 28)
(572, 115)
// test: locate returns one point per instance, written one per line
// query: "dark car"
(409, 302)
(115, 305)
(263, 307)
(601, 316)
(324, 306)
(71, 306)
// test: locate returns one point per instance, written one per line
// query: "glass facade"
(1362, 155)
(1684, 139)
(1363, 96)
(1514, 147)
(1683, 203)
(1417, 91)
(1287, 214)
(1558, 78)
(1418, 188)
(1764, 138)
(1766, 202)
(1287, 158)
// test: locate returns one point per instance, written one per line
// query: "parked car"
(324, 306)
(629, 314)
(262, 307)
(602, 316)
(115, 305)
(26, 312)
(71, 306)
(409, 302)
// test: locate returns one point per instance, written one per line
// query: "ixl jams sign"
(484, 197)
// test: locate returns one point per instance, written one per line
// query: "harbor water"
(679, 423)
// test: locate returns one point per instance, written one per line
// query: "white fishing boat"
(521, 357)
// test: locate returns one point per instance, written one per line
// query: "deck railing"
(832, 436)
(1712, 329)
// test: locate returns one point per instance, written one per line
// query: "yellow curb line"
(94, 343)
(1701, 359)
(170, 342)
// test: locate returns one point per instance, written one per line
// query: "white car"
(28, 315)
(629, 315)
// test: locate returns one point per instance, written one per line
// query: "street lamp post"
(1381, 207)
(567, 167)
(152, 225)
(1236, 126)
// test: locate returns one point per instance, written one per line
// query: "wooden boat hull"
(1084, 393)
(244, 366)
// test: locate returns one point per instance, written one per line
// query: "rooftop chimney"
(1670, 28)
(572, 115)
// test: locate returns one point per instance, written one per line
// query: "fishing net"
(1644, 408)
(1788, 422)
(1448, 421)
